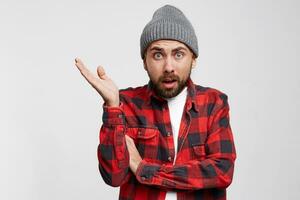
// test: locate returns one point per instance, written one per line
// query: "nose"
(168, 65)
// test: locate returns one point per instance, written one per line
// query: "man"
(169, 139)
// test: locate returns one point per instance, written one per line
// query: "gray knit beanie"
(168, 22)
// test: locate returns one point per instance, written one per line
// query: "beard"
(169, 92)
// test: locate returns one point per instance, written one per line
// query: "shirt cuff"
(113, 115)
(141, 177)
(146, 171)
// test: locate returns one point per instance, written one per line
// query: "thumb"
(101, 72)
(129, 140)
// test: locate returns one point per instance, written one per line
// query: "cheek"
(184, 72)
(154, 74)
(154, 69)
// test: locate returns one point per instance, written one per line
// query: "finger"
(101, 72)
(127, 138)
(90, 77)
(129, 142)
(79, 64)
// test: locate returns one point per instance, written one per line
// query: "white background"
(50, 116)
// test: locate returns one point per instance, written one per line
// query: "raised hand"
(103, 84)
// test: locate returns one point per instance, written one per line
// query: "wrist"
(113, 104)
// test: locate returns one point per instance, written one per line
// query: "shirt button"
(169, 158)
(168, 134)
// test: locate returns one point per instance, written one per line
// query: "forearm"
(113, 155)
(194, 175)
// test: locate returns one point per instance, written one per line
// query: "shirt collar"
(191, 95)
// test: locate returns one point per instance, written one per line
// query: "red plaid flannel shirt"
(204, 163)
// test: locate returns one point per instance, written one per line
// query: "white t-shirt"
(176, 105)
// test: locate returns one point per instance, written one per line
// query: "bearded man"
(171, 138)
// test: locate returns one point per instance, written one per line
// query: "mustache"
(169, 77)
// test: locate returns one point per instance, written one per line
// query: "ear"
(144, 63)
(194, 62)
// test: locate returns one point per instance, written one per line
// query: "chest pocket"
(146, 140)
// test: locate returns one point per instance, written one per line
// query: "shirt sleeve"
(215, 171)
(112, 151)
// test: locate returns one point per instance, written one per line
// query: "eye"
(157, 55)
(179, 55)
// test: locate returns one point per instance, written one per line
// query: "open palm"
(103, 84)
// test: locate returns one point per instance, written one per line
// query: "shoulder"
(133, 91)
(134, 96)
(211, 95)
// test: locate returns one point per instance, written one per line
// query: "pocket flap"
(146, 133)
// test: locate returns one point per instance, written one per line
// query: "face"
(168, 64)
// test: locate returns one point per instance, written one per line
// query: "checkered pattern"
(204, 164)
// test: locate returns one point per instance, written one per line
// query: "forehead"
(168, 44)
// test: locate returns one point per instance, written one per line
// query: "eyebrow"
(161, 49)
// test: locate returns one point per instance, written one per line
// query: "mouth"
(169, 83)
